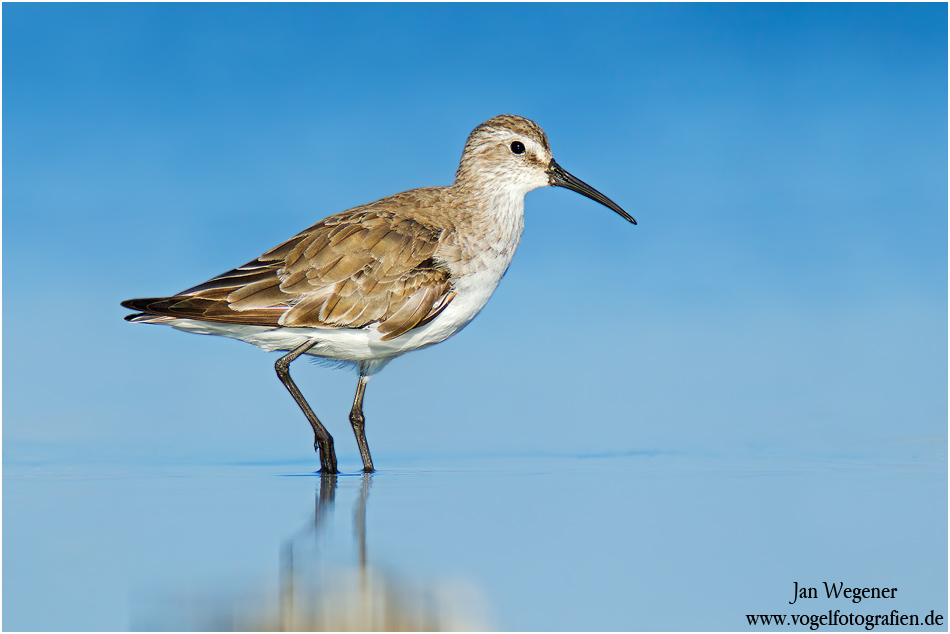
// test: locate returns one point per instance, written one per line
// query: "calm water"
(632, 541)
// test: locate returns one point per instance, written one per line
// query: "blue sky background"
(785, 290)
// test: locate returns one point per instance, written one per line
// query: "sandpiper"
(371, 283)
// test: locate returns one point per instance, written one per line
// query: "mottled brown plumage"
(349, 270)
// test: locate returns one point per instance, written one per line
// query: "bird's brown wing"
(353, 269)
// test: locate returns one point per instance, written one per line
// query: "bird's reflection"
(326, 496)
(317, 593)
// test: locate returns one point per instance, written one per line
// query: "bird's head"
(512, 153)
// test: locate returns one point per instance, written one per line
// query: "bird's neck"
(494, 213)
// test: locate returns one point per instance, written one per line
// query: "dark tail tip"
(140, 306)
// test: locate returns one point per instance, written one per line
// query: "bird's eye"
(517, 147)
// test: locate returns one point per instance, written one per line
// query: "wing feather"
(362, 267)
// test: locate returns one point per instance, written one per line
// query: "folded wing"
(351, 270)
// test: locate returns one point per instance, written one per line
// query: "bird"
(366, 285)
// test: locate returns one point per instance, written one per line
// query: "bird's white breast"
(486, 252)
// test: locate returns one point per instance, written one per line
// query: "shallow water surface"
(625, 541)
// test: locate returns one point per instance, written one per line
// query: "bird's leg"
(323, 441)
(359, 424)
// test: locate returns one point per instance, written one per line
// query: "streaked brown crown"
(514, 123)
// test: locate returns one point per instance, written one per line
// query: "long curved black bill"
(561, 178)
